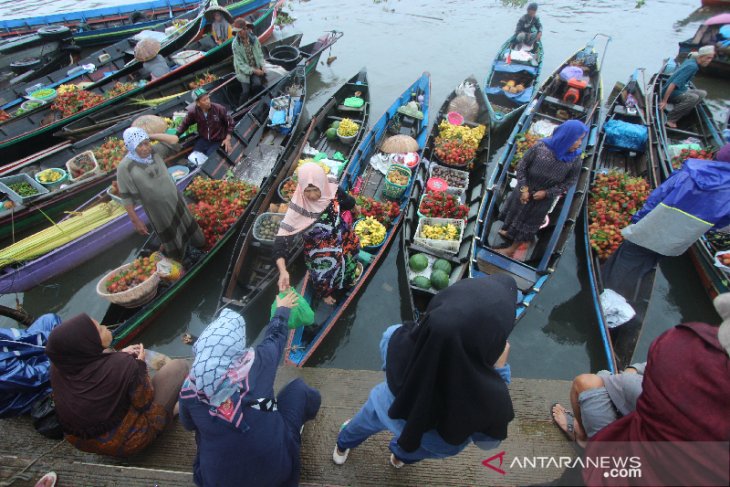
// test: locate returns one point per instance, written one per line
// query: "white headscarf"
(134, 136)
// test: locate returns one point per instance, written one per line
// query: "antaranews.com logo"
(613, 467)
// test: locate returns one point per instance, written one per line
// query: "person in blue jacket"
(446, 377)
(692, 201)
(244, 434)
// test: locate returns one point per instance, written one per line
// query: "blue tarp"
(24, 366)
(626, 135)
(523, 97)
(503, 67)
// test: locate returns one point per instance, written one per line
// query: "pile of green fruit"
(440, 272)
(268, 226)
(331, 132)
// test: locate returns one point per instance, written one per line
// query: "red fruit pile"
(74, 101)
(110, 153)
(685, 154)
(142, 269)
(219, 204)
(119, 88)
(202, 80)
(383, 211)
(454, 152)
(442, 205)
(287, 190)
(614, 199)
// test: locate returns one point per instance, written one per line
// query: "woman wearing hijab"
(143, 178)
(245, 436)
(330, 244)
(435, 408)
(106, 402)
(546, 171)
(685, 401)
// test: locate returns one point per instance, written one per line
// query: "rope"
(21, 475)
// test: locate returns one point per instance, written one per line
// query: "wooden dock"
(168, 461)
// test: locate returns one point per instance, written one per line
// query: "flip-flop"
(569, 430)
(44, 481)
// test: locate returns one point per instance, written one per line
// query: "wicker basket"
(133, 297)
(447, 246)
(392, 190)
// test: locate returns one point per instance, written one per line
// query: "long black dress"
(539, 170)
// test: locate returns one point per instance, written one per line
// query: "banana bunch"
(440, 232)
(324, 166)
(470, 136)
(370, 231)
(170, 122)
(347, 128)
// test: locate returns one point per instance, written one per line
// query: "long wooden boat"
(34, 55)
(252, 269)
(706, 34)
(619, 343)
(365, 181)
(32, 131)
(504, 107)
(23, 276)
(535, 264)
(102, 25)
(472, 197)
(698, 126)
(258, 157)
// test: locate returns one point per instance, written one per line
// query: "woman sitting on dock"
(330, 244)
(436, 408)
(106, 402)
(546, 171)
(245, 435)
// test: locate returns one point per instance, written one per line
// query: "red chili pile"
(141, 270)
(383, 211)
(614, 199)
(442, 205)
(219, 204)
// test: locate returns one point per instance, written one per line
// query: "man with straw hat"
(153, 64)
(248, 60)
(676, 89)
(215, 125)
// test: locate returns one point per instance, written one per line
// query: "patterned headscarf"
(563, 138)
(134, 136)
(219, 376)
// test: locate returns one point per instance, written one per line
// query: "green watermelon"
(335, 125)
(421, 281)
(442, 265)
(418, 262)
(439, 279)
(331, 133)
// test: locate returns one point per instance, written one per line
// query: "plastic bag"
(615, 308)
(543, 128)
(467, 89)
(169, 270)
(354, 102)
(301, 314)
(626, 135)
(381, 162)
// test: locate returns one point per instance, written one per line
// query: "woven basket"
(392, 190)
(131, 298)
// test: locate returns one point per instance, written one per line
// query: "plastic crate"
(454, 276)
(447, 246)
(260, 220)
(71, 163)
(439, 171)
(20, 178)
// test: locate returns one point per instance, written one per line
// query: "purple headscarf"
(563, 139)
(723, 154)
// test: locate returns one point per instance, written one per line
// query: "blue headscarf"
(563, 139)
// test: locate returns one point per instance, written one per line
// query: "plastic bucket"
(455, 118)
(285, 56)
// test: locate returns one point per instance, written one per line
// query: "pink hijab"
(302, 211)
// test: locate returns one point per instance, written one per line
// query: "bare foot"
(506, 252)
(565, 420)
(671, 124)
(329, 300)
(503, 234)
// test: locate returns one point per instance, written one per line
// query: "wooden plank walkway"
(168, 461)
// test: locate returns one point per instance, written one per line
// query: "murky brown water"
(397, 40)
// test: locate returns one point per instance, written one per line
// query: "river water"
(396, 41)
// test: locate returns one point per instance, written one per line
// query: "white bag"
(197, 158)
(616, 309)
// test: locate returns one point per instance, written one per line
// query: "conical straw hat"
(210, 14)
(399, 144)
(146, 49)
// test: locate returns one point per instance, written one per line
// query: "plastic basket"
(113, 196)
(280, 192)
(134, 297)
(36, 95)
(20, 178)
(71, 165)
(443, 172)
(448, 246)
(392, 190)
(260, 220)
(418, 210)
(370, 248)
(455, 118)
(61, 180)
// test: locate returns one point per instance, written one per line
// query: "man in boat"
(692, 201)
(215, 125)
(248, 60)
(529, 28)
(676, 89)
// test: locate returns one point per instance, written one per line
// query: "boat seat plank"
(554, 101)
(491, 263)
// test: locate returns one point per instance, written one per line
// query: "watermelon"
(418, 262)
(421, 281)
(439, 279)
(442, 265)
(331, 133)
(335, 125)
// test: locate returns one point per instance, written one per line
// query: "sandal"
(395, 462)
(48, 480)
(569, 430)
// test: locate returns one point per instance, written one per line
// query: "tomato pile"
(685, 154)
(523, 143)
(383, 211)
(110, 153)
(142, 269)
(614, 199)
(219, 203)
(442, 205)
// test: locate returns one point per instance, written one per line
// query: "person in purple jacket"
(692, 201)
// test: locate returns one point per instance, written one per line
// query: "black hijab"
(91, 389)
(441, 370)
